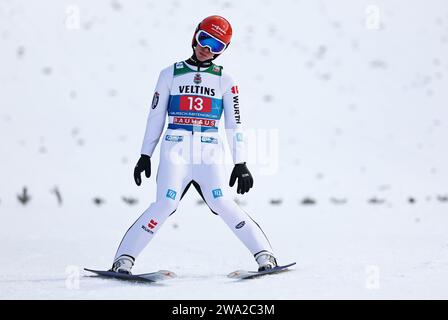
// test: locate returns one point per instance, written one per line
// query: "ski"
(145, 277)
(244, 274)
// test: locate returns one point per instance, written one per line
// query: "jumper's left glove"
(245, 180)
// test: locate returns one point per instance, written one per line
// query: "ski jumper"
(192, 152)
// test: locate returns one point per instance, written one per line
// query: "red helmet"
(217, 26)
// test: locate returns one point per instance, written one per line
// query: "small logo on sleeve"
(235, 90)
(155, 100)
(239, 136)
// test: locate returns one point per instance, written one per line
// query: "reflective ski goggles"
(204, 39)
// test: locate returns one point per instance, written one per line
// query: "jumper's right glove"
(143, 164)
(245, 180)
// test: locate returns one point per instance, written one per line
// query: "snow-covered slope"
(356, 108)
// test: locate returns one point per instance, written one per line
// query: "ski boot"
(265, 260)
(123, 264)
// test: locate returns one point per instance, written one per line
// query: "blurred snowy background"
(356, 90)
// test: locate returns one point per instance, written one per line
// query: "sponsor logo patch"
(197, 89)
(171, 194)
(179, 65)
(209, 140)
(197, 78)
(152, 224)
(173, 138)
(147, 229)
(194, 121)
(240, 225)
(218, 29)
(236, 109)
(217, 193)
(235, 90)
(155, 100)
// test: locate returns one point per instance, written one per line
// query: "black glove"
(245, 180)
(143, 164)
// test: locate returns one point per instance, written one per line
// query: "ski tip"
(168, 274)
(236, 274)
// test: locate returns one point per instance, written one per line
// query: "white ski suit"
(192, 152)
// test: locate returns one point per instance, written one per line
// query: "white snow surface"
(360, 109)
